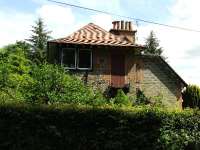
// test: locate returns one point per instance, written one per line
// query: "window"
(68, 58)
(72, 58)
(84, 59)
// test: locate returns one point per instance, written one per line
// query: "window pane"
(85, 59)
(68, 59)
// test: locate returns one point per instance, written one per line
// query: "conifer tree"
(152, 45)
(38, 41)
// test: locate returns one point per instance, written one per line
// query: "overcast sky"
(181, 47)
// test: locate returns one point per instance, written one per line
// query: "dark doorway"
(117, 70)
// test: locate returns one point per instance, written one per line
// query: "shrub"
(141, 98)
(180, 131)
(191, 96)
(14, 75)
(121, 99)
(50, 127)
(53, 85)
(98, 99)
(156, 100)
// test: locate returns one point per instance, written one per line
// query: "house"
(112, 60)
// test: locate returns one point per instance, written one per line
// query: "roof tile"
(95, 35)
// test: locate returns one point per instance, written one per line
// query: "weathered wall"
(158, 79)
(99, 77)
(145, 72)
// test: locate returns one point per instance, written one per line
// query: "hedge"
(71, 127)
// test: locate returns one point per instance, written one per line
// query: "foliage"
(152, 45)
(98, 99)
(79, 127)
(181, 131)
(14, 72)
(141, 98)
(23, 81)
(38, 41)
(156, 100)
(53, 85)
(191, 96)
(121, 99)
(22, 46)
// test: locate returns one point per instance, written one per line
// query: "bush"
(14, 75)
(180, 131)
(141, 98)
(121, 99)
(98, 99)
(156, 100)
(52, 127)
(53, 85)
(191, 96)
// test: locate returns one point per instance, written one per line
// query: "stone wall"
(158, 79)
(99, 77)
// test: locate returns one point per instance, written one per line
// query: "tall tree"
(152, 45)
(38, 41)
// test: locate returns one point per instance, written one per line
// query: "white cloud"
(14, 26)
(17, 25)
(59, 19)
(181, 47)
(102, 20)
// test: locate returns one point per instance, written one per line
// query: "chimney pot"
(122, 25)
(118, 25)
(124, 29)
(114, 24)
(126, 25)
(130, 26)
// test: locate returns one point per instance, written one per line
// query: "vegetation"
(38, 41)
(121, 99)
(42, 106)
(152, 45)
(23, 81)
(191, 96)
(79, 127)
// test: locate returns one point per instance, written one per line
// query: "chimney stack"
(124, 29)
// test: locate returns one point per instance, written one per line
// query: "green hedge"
(86, 128)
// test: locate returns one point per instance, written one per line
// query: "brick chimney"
(124, 29)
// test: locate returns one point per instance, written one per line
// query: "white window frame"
(75, 60)
(90, 68)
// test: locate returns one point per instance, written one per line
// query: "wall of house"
(147, 73)
(155, 78)
(100, 76)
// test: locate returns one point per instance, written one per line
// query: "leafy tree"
(38, 41)
(191, 96)
(22, 46)
(152, 44)
(14, 71)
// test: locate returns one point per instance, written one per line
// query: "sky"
(182, 48)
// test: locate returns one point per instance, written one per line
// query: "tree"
(14, 70)
(38, 41)
(23, 46)
(191, 96)
(152, 45)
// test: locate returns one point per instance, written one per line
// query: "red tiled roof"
(94, 35)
